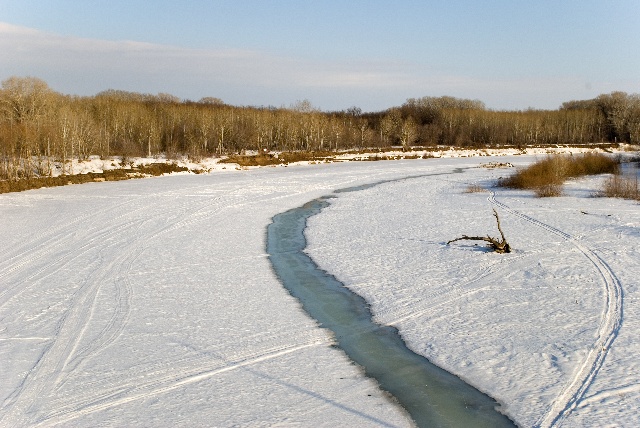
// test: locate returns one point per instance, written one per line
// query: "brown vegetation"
(37, 123)
(546, 177)
(474, 188)
(154, 169)
(39, 126)
(619, 186)
(283, 158)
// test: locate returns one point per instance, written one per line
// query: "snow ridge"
(610, 323)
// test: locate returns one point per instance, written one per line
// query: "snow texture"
(152, 302)
(547, 330)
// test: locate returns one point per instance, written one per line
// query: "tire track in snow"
(62, 354)
(69, 329)
(57, 239)
(445, 295)
(160, 385)
(52, 239)
(117, 321)
(610, 323)
(65, 352)
(58, 263)
(49, 241)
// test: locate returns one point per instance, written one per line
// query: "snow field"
(540, 329)
(152, 302)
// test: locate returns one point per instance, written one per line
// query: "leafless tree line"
(39, 125)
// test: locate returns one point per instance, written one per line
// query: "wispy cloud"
(72, 65)
(32, 47)
(85, 66)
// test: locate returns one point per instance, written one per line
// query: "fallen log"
(499, 245)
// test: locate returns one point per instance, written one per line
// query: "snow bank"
(96, 164)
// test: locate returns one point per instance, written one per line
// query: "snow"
(152, 302)
(97, 164)
(548, 330)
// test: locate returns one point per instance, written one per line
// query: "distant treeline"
(37, 123)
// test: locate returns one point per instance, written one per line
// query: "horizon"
(370, 55)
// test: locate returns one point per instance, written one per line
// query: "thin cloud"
(72, 64)
(86, 66)
(45, 51)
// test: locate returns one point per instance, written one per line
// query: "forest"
(38, 125)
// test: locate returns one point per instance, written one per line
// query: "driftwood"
(499, 245)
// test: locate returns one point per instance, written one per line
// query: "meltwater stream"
(432, 396)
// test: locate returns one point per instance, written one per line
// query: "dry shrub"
(618, 186)
(474, 188)
(549, 171)
(160, 168)
(546, 177)
(549, 190)
(282, 158)
(20, 185)
(591, 164)
(257, 160)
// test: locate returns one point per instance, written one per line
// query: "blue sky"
(372, 54)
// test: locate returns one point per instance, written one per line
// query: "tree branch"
(499, 245)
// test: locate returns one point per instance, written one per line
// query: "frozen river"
(153, 302)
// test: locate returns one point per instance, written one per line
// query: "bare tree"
(25, 98)
(408, 132)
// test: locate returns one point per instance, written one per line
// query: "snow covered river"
(154, 303)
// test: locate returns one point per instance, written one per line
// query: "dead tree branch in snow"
(499, 245)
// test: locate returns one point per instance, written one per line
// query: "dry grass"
(154, 169)
(474, 188)
(258, 160)
(548, 191)
(547, 176)
(619, 186)
(290, 157)
(280, 159)
(284, 158)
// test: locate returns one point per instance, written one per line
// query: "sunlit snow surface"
(152, 302)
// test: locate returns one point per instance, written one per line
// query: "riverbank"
(53, 173)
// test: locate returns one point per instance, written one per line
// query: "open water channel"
(432, 396)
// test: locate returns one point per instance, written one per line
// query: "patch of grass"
(153, 169)
(160, 168)
(548, 191)
(257, 160)
(592, 164)
(63, 180)
(290, 157)
(619, 186)
(546, 177)
(474, 188)
(279, 159)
